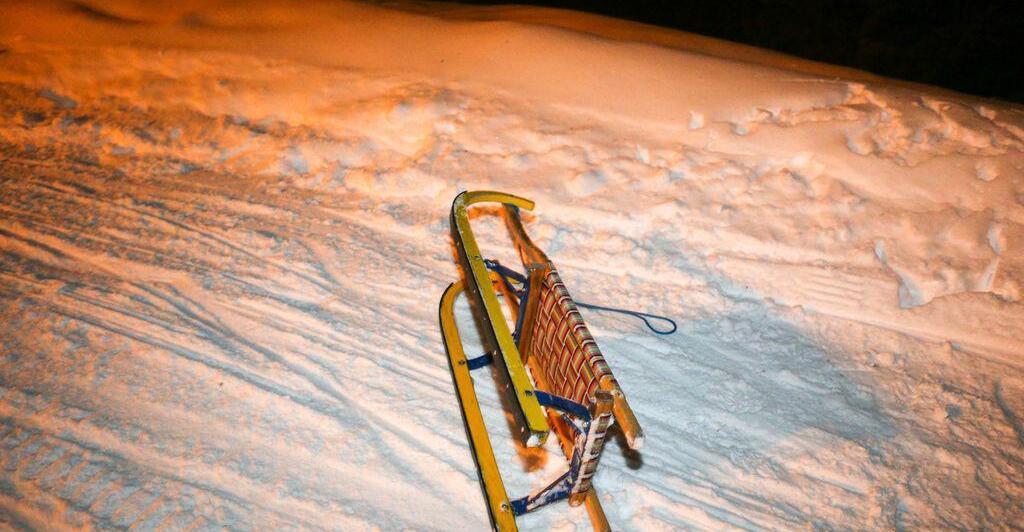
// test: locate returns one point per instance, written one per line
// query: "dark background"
(972, 47)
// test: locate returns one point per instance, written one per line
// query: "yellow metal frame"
(479, 285)
(494, 489)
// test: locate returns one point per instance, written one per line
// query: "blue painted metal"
(562, 486)
(480, 361)
(563, 404)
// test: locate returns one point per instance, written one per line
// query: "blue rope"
(642, 315)
(507, 273)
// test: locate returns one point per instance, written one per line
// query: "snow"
(224, 234)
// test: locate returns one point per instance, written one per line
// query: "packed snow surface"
(224, 233)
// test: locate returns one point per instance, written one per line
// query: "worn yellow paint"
(494, 489)
(536, 423)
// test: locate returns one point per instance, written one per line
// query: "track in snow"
(211, 319)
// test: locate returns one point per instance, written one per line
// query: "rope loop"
(508, 276)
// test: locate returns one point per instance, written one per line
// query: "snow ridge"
(221, 269)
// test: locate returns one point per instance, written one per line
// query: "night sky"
(972, 47)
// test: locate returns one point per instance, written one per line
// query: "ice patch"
(996, 238)
(696, 120)
(643, 154)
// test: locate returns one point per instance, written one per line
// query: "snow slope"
(223, 235)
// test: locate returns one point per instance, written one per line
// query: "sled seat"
(568, 378)
(568, 358)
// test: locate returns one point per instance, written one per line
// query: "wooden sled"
(569, 386)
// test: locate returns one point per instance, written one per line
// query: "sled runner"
(569, 387)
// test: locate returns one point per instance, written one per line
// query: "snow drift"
(224, 234)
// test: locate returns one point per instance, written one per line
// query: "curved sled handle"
(528, 251)
(469, 197)
(478, 283)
